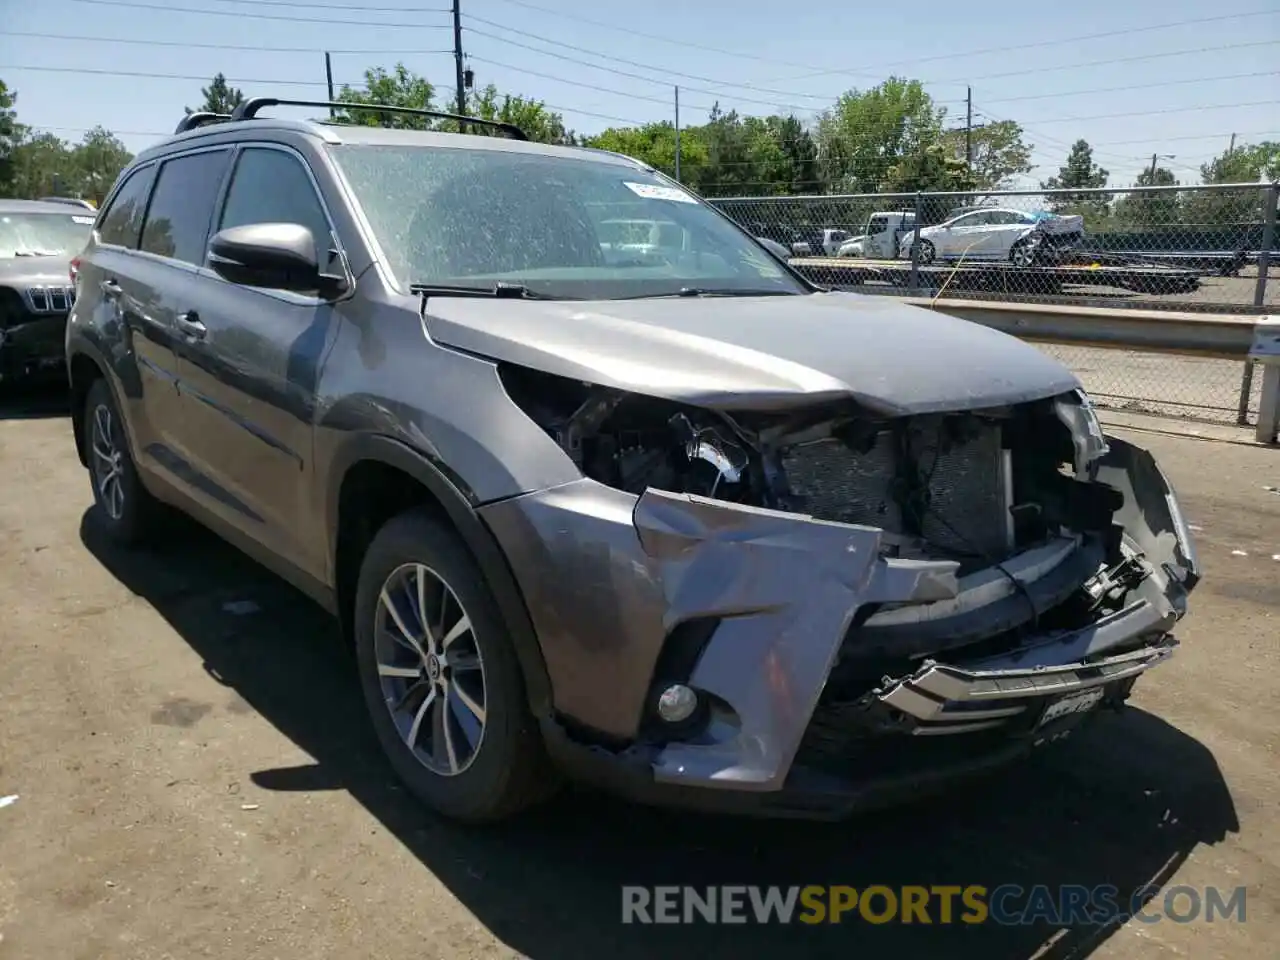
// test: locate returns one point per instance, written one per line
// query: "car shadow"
(1123, 804)
(44, 402)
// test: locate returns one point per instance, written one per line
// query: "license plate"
(1076, 703)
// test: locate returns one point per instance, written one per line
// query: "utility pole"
(968, 130)
(677, 134)
(1232, 149)
(328, 79)
(457, 60)
(1153, 168)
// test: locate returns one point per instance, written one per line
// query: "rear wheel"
(927, 251)
(440, 677)
(126, 509)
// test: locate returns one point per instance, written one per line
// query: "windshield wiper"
(500, 290)
(711, 292)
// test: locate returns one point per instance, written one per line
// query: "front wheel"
(1024, 252)
(440, 678)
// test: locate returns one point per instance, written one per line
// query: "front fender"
(1151, 515)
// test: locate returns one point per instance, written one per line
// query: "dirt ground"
(195, 782)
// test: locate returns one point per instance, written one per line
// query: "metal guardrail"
(1231, 338)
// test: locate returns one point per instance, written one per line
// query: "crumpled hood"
(759, 353)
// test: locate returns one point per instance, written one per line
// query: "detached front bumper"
(616, 587)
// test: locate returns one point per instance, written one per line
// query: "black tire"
(1016, 253)
(509, 769)
(927, 252)
(131, 517)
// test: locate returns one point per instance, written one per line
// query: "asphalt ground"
(195, 777)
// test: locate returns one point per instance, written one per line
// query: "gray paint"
(253, 427)
(760, 353)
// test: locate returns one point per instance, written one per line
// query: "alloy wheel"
(108, 465)
(430, 669)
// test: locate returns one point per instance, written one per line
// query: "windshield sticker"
(82, 219)
(653, 191)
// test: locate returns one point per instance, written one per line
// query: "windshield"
(559, 226)
(43, 234)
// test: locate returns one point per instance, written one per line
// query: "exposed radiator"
(968, 512)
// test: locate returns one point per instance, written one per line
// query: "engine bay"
(976, 486)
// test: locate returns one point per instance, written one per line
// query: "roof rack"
(249, 109)
(200, 118)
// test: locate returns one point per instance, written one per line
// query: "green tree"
(219, 97)
(1228, 215)
(532, 116)
(744, 157)
(95, 162)
(1150, 208)
(867, 132)
(1080, 172)
(399, 87)
(11, 133)
(42, 167)
(999, 153)
(655, 144)
(801, 150)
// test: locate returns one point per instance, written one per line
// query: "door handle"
(191, 326)
(110, 288)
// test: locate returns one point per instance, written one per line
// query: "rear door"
(249, 375)
(117, 297)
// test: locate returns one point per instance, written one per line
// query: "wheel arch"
(404, 478)
(84, 367)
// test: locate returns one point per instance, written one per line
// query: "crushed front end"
(844, 608)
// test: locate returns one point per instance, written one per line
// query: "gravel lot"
(192, 782)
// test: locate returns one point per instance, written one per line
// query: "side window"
(122, 222)
(177, 223)
(271, 186)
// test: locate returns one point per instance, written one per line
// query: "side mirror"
(277, 256)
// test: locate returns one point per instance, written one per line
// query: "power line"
(357, 8)
(368, 51)
(723, 83)
(1042, 43)
(665, 101)
(260, 16)
(1136, 86)
(632, 63)
(1099, 63)
(1145, 113)
(276, 81)
(658, 37)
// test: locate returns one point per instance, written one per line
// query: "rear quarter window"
(121, 223)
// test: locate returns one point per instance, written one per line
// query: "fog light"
(677, 703)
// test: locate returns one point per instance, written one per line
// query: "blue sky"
(1133, 79)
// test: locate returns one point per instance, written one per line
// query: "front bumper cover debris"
(607, 577)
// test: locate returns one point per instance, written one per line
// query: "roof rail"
(249, 109)
(200, 118)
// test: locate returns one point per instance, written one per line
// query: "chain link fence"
(1203, 249)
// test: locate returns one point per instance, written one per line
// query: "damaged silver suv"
(600, 487)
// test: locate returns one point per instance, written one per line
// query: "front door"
(250, 369)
